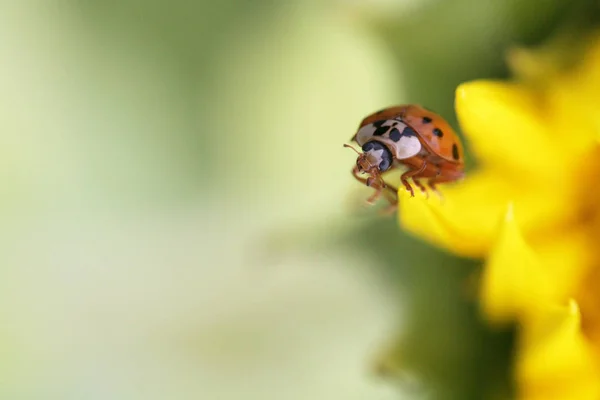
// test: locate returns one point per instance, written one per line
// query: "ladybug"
(409, 136)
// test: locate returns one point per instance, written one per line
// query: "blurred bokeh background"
(178, 216)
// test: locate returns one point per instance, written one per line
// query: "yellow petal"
(467, 219)
(575, 101)
(566, 257)
(555, 360)
(514, 283)
(505, 127)
(464, 221)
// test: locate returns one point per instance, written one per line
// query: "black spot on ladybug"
(455, 151)
(408, 131)
(394, 124)
(381, 130)
(427, 120)
(438, 132)
(395, 135)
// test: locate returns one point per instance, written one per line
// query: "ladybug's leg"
(366, 181)
(378, 190)
(435, 180)
(420, 186)
(389, 210)
(443, 177)
(393, 198)
(391, 194)
(410, 174)
(356, 175)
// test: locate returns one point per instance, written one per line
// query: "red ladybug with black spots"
(409, 136)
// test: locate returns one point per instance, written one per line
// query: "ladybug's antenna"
(347, 145)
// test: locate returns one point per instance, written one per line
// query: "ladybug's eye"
(369, 146)
(386, 161)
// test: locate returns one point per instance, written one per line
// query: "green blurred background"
(179, 220)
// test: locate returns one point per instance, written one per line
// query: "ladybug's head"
(374, 160)
(375, 155)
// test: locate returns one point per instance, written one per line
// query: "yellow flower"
(532, 210)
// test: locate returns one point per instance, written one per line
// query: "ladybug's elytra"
(410, 136)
